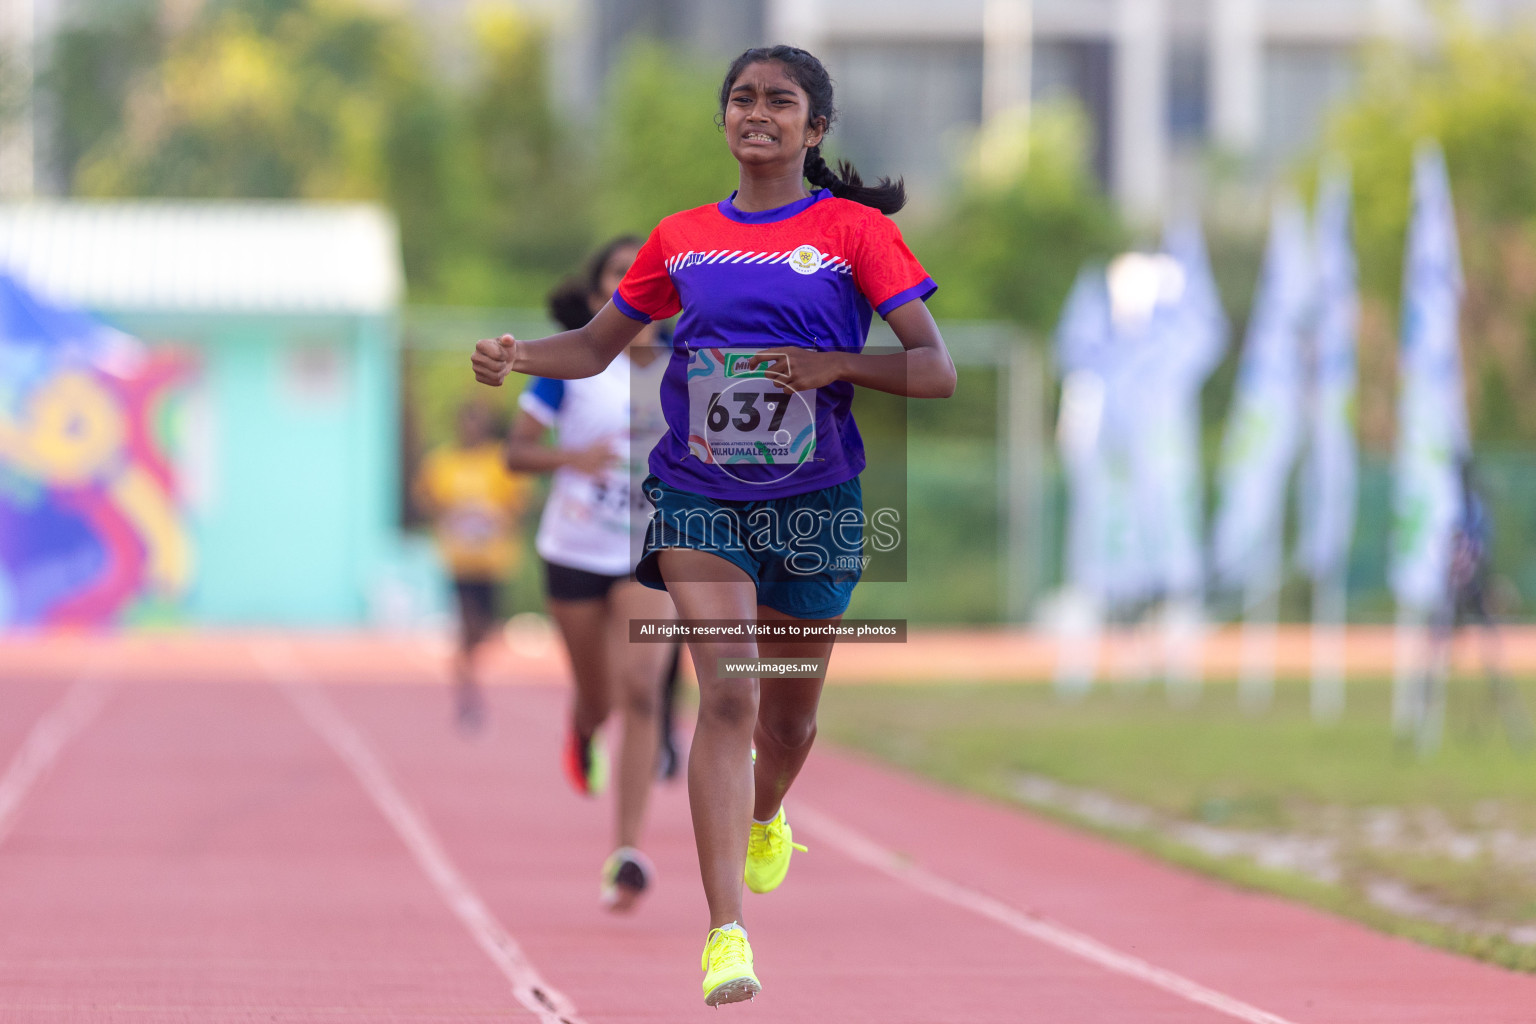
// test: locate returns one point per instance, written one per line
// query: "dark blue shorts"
(804, 552)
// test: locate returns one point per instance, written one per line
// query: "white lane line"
(531, 990)
(62, 722)
(871, 854)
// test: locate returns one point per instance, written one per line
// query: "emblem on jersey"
(805, 260)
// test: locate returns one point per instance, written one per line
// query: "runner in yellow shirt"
(475, 505)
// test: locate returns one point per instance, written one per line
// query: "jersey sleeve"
(647, 292)
(542, 399)
(886, 271)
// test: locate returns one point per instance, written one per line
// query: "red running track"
(278, 848)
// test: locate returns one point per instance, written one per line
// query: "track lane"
(200, 855)
(31, 688)
(841, 942)
(529, 988)
(927, 960)
(1282, 957)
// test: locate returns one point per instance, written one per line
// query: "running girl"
(589, 546)
(474, 505)
(776, 286)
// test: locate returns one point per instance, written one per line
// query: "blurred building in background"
(281, 426)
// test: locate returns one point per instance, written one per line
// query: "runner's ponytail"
(845, 183)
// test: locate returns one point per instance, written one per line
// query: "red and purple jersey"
(808, 275)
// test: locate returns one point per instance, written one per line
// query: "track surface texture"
(259, 829)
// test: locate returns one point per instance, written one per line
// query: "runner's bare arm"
(526, 452)
(566, 356)
(924, 370)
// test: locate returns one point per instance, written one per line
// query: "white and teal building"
(282, 430)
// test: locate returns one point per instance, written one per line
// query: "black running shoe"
(627, 873)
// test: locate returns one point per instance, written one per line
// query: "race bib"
(737, 416)
(602, 502)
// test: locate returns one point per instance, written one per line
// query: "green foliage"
(258, 107)
(496, 197)
(331, 99)
(303, 99)
(1476, 96)
(949, 512)
(1011, 249)
(534, 212)
(89, 73)
(662, 152)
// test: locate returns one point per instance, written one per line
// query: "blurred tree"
(338, 99)
(535, 216)
(1476, 95)
(318, 99)
(1011, 243)
(88, 73)
(662, 151)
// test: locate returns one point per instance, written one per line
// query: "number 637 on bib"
(736, 415)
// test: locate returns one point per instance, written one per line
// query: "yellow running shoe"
(727, 964)
(768, 851)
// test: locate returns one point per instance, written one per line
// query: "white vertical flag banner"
(1140, 285)
(1082, 346)
(1328, 477)
(1263, 433)
(1191, 337)
(1431, 411)
(1431, 433)
(1263, 428)
(1135, 342)
(1136, 284)
(1082, 349)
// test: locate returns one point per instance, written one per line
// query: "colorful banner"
(1432, 415)
(91, 528)
(1100, 359)
(1327, 506)
(1264, 427)
(1134, 345)
(1187, 338)
(1082, 354)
